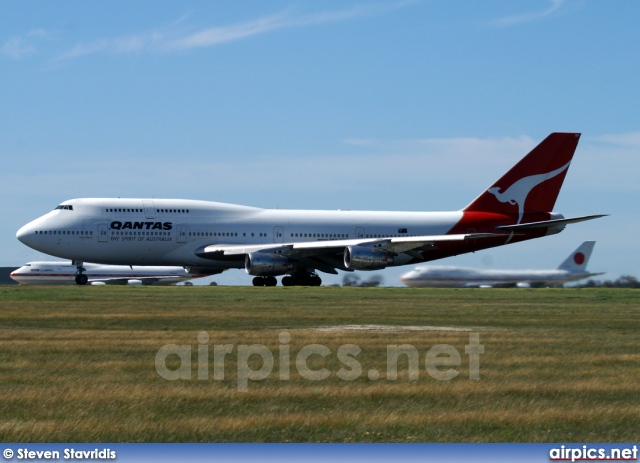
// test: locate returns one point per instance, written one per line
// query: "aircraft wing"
(305, 248)
(327, 255)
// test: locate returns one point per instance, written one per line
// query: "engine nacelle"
(365, 258)
(263, 264)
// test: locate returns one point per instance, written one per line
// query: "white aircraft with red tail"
(210, 237)
(573, 268)
(64, 273)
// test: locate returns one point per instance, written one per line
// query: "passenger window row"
(320, 235)
(165, 211)
(64, 232)
(215, 234)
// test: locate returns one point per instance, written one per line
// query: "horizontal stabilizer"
(548, 223)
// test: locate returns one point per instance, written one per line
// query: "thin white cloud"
(457, 165)
(420, 174)
(283, 20)
(406, 164)
(174, 38)
(17, 48)
(608, 162)
(84, 49)
(41, 34)
(628, 140)
(528, 17)
(437, 155)
(219, 35)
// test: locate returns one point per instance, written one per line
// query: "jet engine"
(365, 258)
(264, 264)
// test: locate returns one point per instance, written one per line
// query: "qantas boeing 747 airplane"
(210, 237)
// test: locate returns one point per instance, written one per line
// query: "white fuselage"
(441, 276)
(63, 273)
(170, 232)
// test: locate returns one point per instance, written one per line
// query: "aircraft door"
(359, 232)
(182, 233)
(278, 235)
(103, 232)
(149, 209)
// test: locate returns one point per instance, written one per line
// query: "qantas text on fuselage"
(117, 225)
(211, 237)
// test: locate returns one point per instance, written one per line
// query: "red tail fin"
(533, 184)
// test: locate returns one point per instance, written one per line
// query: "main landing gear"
(308, 279)
(298, 279)
(81, 278)
(265, 281)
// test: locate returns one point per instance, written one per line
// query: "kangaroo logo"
(518, 192)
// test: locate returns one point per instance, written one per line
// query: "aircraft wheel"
(288, 281)
(258, 281)
(270, 281)
(81, 279)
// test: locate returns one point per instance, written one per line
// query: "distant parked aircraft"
(573, 268)
(296, 243)
(63, 273)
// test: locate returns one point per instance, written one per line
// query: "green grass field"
(78, 364)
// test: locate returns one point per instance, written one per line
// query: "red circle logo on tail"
(578, 258)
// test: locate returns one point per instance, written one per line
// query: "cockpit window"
(67, 207)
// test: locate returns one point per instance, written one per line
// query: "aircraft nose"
(26, 234)
(22, 234)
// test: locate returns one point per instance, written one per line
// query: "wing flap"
(411, 243)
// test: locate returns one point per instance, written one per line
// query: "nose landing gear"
(81, 278)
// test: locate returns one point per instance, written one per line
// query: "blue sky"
(390, 105)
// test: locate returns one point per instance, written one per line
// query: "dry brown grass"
(78, 365)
